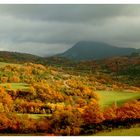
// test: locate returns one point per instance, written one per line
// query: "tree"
(4, 79)
(9, 86)
(6, 100)
(66, 121)
(92, 113)
(15, 79)
(110, 113)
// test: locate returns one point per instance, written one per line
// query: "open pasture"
(16, 86)
(121, 132)
(108, 98)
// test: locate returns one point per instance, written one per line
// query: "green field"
(107, 98)
(35, 116)
(121, 132)
(16, 86)
(3, 64)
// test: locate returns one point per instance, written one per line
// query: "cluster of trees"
(11, 123)
(23, 106)
(117, 64)
(6, 102)
(129, 110)
(31, 73)
(45, 92)
(69, 120)
(27, 72)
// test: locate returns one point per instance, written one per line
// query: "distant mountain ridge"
(89, 50)
(6, 56)
(83, 50)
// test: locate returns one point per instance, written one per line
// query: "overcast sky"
(49, 29)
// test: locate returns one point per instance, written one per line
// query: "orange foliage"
(66, 121)
(130, 110)
(92, 113)
(4, 79)
(15, 79)
(9, 86)
(6, 100)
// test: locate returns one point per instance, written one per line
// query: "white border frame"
(69, 2)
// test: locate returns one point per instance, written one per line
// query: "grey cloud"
(69, 13)
(51, 29)
(40, 49)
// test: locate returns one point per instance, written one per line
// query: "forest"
(84, 98)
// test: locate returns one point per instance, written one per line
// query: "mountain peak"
(89, 50)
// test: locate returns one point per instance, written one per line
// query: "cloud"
(69, 13)
(40, 49)
(51, 29)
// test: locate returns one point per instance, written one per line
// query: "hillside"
(88, 50)
(50, 100)
(16, 57)
(126, 69)
(65, 97)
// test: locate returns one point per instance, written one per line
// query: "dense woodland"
(67, 96)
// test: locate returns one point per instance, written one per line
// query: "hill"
(47, 100)
(16, 57)
(88, 50)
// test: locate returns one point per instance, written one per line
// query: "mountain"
(88, 50)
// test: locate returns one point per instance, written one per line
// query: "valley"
(39, 96)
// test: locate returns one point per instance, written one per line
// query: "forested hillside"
(50, 100)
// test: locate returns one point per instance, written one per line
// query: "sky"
(46, 30)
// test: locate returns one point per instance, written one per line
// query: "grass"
(107, 98)
(3, 64)
(117, 132)
(121, 132)
(16, 86)
(35, 116)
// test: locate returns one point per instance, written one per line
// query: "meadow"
(3, 64)
(121, 132)
(16, 86)
(107, 98)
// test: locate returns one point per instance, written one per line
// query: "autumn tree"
(6, 100)
(92, 113)
(130, 110)
(9, 86)
(4, 79)
(110, 113)
(15, 79)
(66, 121)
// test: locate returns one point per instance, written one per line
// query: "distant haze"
(50, 29)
